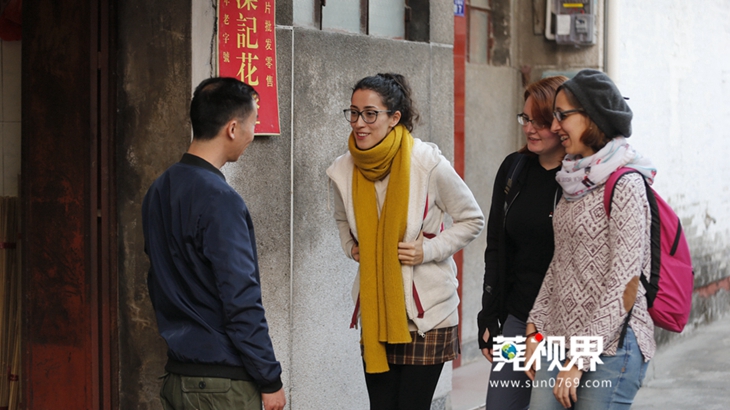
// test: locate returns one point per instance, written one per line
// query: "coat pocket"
(434, 283)
(205, 385)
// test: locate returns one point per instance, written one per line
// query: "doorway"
(67, 205)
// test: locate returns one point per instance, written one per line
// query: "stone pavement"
(469, 385)
(690, 372)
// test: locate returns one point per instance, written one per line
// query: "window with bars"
(478, 31)
(488, 31)
(396, 19)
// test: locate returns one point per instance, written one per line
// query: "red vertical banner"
(247, 51)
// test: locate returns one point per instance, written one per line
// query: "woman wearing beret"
(592, 298)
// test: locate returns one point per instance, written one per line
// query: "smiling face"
(370, 135)
(572, 127)
(542, 141)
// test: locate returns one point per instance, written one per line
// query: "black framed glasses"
(369, 116)
(560, 115)
(523, 120)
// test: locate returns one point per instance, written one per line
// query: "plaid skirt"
(435, 347)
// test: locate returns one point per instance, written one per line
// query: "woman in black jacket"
(520, 239)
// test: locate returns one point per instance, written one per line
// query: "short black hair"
(218, 100)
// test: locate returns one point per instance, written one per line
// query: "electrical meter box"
(575, 22)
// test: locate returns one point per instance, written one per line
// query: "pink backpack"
(669, 289)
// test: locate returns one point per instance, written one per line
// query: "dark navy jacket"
(204, 277)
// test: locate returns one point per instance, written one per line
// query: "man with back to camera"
(204, 274)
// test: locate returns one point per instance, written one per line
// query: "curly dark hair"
(396, 94)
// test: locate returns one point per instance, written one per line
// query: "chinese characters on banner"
(247, 51)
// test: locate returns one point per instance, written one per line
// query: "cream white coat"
(433, 179)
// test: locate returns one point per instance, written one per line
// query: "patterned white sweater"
(595, 258)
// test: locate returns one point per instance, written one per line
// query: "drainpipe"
(611, 62)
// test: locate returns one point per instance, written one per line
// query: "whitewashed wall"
(674, 67)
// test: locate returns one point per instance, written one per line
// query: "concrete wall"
(678, 83)
(9, 117)
(325, 354)
(492, 96)
(532, 50)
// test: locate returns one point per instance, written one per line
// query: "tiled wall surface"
(9, 117)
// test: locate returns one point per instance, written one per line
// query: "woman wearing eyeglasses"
(520, 239)
(392, 194)
(592, 299)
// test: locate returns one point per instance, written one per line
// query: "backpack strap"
(607, 199)
(611, 185)
(514, 171)
(655, 224)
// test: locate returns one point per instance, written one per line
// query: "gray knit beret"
(602, 101)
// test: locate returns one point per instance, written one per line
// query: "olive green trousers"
(208, 393)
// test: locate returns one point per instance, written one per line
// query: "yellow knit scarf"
(382, 301)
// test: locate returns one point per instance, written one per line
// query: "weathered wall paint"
(153, 131)
(678, 83)
(57, 322)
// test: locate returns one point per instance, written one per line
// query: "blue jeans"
(508, 388)
(613, 385)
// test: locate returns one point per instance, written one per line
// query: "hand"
(355, 252)
(530, 347)
(566, 386)
(411, 253)
(274, 401)
(487, 352)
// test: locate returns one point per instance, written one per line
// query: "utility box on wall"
(571, 22)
